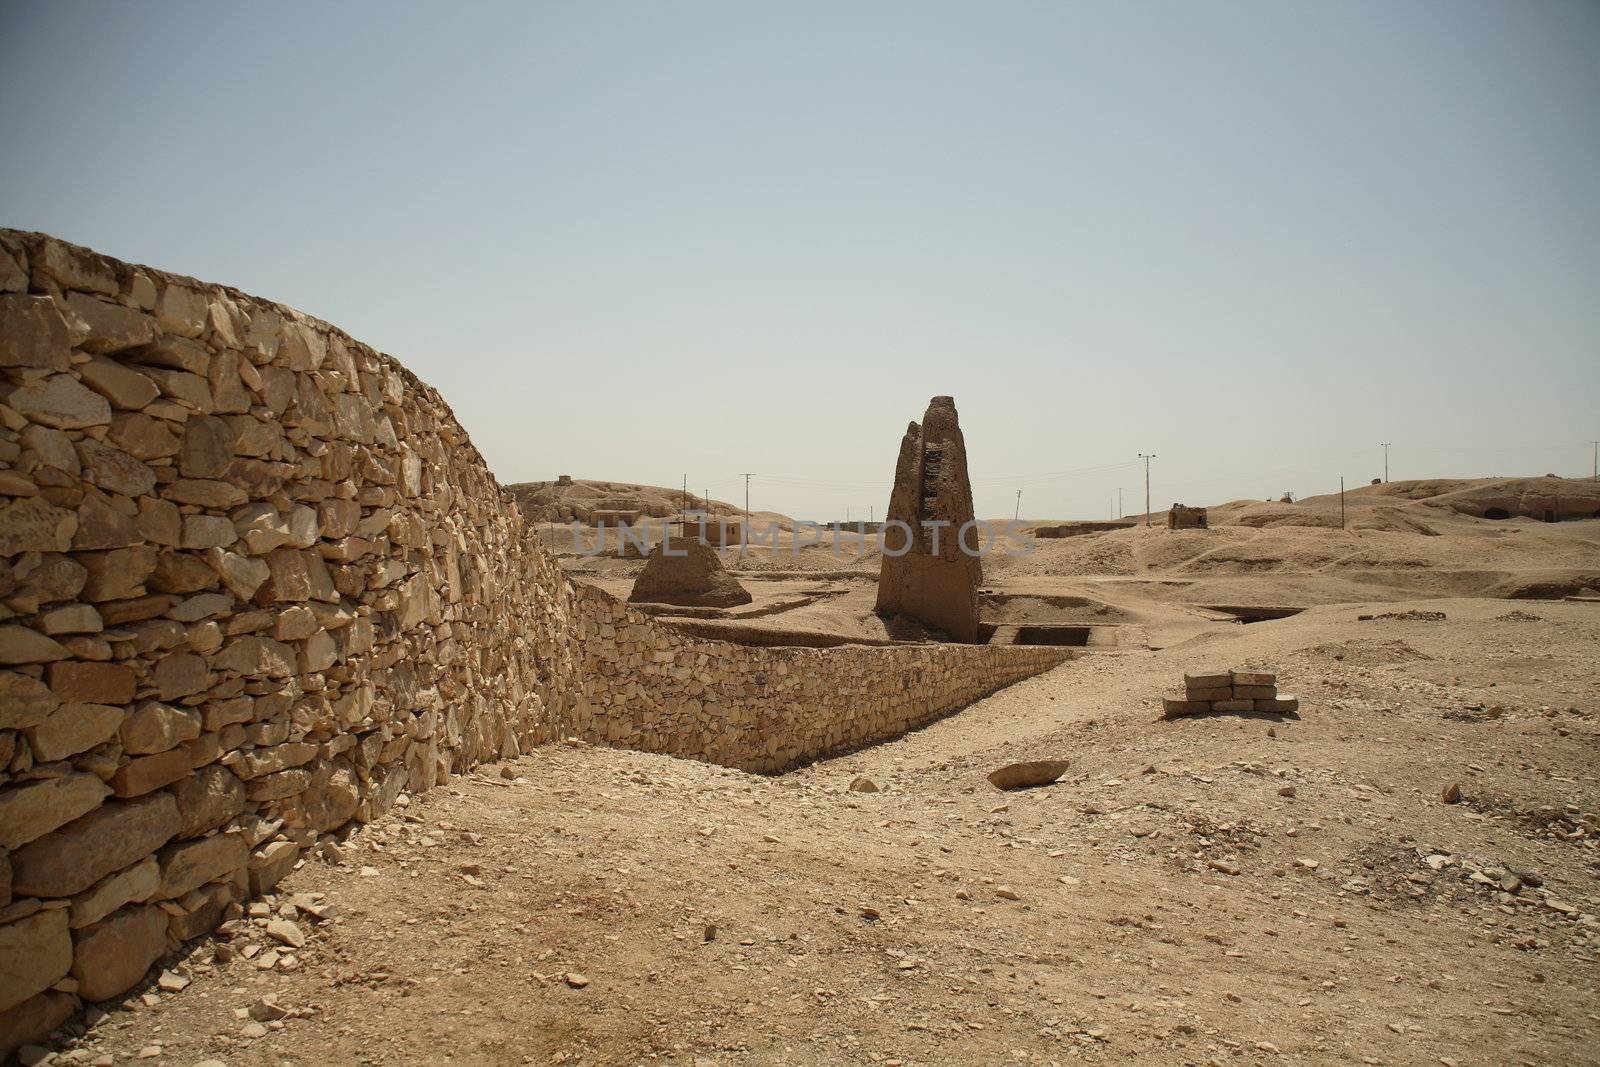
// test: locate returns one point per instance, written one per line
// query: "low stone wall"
(255, 582)
(768, 709)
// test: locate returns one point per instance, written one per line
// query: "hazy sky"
(634, 241)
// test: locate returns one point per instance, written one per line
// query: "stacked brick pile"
(255, 583)
(1229, 691)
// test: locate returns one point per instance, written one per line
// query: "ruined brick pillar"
(934, 581)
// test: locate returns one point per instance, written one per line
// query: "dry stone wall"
(256, 582)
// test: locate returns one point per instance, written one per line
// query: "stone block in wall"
(107, 839)
(23, 644)
(118, 574)
(133, 884)
(201, 910)
(35, 953)
(31, 810)
(33, 333)
(111, 956)
(207, 799)
(156, 727)
(62, 402)
(24, 701)
(72, 728)
(35, 1019)
(188, 865)
(146, 773)
(270, 863)
(94, 683)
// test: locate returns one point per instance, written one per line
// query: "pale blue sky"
(633, 241)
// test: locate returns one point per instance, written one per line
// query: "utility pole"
(1385, 445)
(1341, 501)
(1147, 460)
(1596, 460)
(1119, 502)
(685, 495)
(747, 497)
(1018, 513)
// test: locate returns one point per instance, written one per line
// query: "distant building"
(1186, 518)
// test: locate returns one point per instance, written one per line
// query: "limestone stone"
(13, 279)
(109, 838)
(180, 674)
(303, 347)
(35, 952)
(260, 527)
(319, 652)
(241, 574)
(133, 884)
(111, 956)
(117, 574)
(207, 531)
(62, 402)
(112, 327)
(207, 799)
(92, 683)
(145, 773)
(52, 447)
(33, 333)
(181, 572)
(73, 267)
(103, 524)
(274, 758)
(228, 391)
(269, 865)
(190, 864)
(330, 798)
(31, 810)
(207, 448)
(160, 521)
(24, 701)
(35, 1019)
(304, 528)
(339, 518)
(187, 394)
(57, 577)
(205, 492)
(33, 524)
(114, 470)
(157, 727)
(143, 436)
(204, 606)
(73, 728)
(125, 387)
(256, 656)
(203, 912)
(20, 644)
(171, 351)
(181, 310)
(71, 619)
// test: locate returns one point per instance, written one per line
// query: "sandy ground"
(1216, 890)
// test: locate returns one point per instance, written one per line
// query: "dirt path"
(613, 907)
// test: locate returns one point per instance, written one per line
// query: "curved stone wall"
(255, 582)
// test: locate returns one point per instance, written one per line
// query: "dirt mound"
(579, 499)
(687, 572)
(1544, 498)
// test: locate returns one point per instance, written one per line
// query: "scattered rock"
(1028, 775)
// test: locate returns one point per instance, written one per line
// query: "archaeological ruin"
(928, 575)
(685, 571)
(257, 583)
